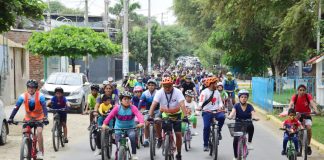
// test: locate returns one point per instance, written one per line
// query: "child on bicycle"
(138, 90)
(104, 108)
(191, 106)
(92, 101)
(58, 102)
(291, 124)
(243, 111)
(125, 114)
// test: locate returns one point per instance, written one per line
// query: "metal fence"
(262, 92)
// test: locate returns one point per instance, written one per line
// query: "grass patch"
(284, 96)
(317, 128)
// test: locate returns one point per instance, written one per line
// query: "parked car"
(4, 130)
(75, 85)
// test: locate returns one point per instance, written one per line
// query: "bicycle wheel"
(62, 136)
(92, 137)
(240, 152)
(142, 136)
(56, 137)
(152, 142)
(105, 146)
(167, 148)
(25, 149)
(305, 144)
(210, 142)
(122, 153)
(138, 142)
(215, 145)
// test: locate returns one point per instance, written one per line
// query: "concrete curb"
(319, 146)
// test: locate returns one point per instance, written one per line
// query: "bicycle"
(106, 143)
(28, 149)
(57, 132)
(239, 129)
(152, 137)
(290, 150)
(187, 137)
(213, 141)
(123, 151)
(140, 133)
(168, 143)
(93, 134)
(229, 101)
(303, 137)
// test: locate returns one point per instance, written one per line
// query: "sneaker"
(283, 152)
(66, 140)
(299, 154)
(309, 150)
(220, 136)
(40, 155)
(178, 157)
(134, 157)
(249, 146)
(146, 143)
(206, 149)
(97, 152)
(159, 143)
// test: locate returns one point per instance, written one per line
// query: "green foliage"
(11, 9)
(208, 55)
(72, 42)
(58, 7)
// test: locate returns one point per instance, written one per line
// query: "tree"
(118, 8)
(12, 9)
(58, 7)
(73, 42)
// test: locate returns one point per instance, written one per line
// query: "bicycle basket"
(236, 129)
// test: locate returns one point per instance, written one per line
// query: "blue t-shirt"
(147, 99)
(240, 114)
(58, 103)
(135, 101)
(125, 118)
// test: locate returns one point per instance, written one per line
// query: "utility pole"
(86, 20)
(149, 53)
(106, 18)
(318, 45)
(162, 23)
(125, 40)
(47, 28)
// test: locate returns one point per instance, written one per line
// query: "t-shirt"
(58, 103)
(192, 106)
(147, 99)
(114, 99)
(131, 83)
(174, 99)
(215, 103)
(240, 114)
(135, 101)
(103, 108)
(302, 105)
(293, 124)
(186, 86)
(92, 101)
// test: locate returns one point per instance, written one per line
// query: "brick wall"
(36, 64)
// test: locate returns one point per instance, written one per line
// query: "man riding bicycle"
(302, 102)
(35, 106)
(210, 100)
(172, 104)
(230, 86)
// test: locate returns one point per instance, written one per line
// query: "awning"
(3, 41)
(315, 59)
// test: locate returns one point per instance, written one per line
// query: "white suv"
(4, 130)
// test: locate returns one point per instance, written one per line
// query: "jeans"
(132, 137)
(207, 117)
(294, 139)
(250, 131)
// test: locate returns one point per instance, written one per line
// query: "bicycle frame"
(123, 141)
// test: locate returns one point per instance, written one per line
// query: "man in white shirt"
(210, 100)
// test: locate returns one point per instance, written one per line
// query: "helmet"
(243, 92)
(139, 78)
(151, 81)
(188, 77)
(58, 89)
(138, 89)
(167, 80)
(125, 94)
(210, 74)
(229, 74)
(190, 93)
(219, 84)
(210, 80)
(132, 76)
(94, 87)
(105, 82)
(110, 79)
(114, 84)
(32, 83)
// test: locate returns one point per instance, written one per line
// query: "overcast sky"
(96, 7)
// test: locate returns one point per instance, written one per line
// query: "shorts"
(176, 124)
(63, 117)
(35, 125)
(308, 120)
(157, 114)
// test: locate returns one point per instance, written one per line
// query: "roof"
(3, 41)
(316, 59)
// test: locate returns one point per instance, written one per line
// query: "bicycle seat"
(238, 134)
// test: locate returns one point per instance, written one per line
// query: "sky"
(96, 7)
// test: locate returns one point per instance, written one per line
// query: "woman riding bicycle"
(243, 111)
(125, 118)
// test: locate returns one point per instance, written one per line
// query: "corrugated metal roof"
(315, 59)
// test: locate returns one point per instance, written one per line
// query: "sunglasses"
(167, 86)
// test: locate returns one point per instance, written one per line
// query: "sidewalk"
(315, 144)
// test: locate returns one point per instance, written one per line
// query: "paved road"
(267, 143)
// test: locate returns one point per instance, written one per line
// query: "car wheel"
(3, 134)
(82, 105)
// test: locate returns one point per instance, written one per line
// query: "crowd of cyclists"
(180, 94)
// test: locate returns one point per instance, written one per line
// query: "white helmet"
(110, 79)
(219, 84)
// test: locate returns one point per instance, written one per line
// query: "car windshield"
(69, 79)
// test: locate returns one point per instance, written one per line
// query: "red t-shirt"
(294, 124)
(302, 105)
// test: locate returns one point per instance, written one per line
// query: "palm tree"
(118, 8)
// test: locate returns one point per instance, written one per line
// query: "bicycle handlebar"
(215, 111)
(25, 122)
(61, 109)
